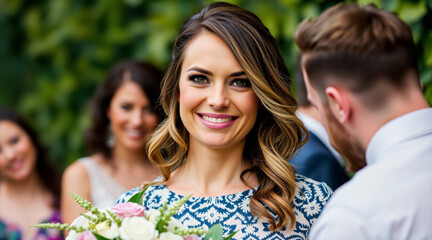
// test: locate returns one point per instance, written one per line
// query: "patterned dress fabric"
(10, 231)
(233, 213)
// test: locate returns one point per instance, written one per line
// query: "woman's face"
(131, 116)
(217, 104)
(17, 152)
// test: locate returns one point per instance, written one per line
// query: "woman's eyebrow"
(235, 74)
(200, 70)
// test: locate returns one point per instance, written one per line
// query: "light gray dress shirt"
(390, 198)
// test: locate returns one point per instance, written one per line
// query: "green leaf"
(427, 44)
(215, 232)
(160, 226)
(390, 5)
(429, 3)
(133, 3)
(99, 237)
(92, 226)
(230, 236)
(426, 77)
(428, 94)
(411, 12)
(365, 2)
(137, 198)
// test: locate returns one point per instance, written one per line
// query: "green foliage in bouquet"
(108, 217)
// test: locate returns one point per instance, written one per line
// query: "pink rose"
(129, 209)
(191, 237)
(87, 235)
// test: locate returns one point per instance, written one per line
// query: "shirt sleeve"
(338, 223)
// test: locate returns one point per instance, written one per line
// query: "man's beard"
(347, 145)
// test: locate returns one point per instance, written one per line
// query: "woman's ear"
(339, 104)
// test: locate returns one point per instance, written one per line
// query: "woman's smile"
(135, 134)
(217, 121)
(16, 165)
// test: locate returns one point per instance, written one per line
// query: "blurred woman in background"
(29, 183)
(124, 114)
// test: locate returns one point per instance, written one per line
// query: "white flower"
(72, 235)
(169, 236)
(106, 231)
(175, 225)
(79, 222)
(137, 228)
(152, 215)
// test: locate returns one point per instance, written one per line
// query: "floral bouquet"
(130, 221)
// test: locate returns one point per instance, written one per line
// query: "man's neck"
(400, 103)
(311, 111)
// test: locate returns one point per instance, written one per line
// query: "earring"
(110, 138)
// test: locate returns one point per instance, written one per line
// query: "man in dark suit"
(317, 159)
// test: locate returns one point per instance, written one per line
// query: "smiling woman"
(231, 128)
(29, 183)
(124, 114)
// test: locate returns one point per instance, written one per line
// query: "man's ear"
(339, 104)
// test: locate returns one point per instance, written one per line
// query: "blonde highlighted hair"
(277, 132)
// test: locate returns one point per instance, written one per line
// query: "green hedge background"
(54, 53)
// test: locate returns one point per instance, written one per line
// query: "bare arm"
(75, 179)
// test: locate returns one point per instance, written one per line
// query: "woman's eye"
(14, 140)
(126, 107)
(148, 110)
(242, 83)
(198, 79)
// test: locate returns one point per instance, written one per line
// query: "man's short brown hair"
(359, 47)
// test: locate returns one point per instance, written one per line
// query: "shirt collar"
(398, 130)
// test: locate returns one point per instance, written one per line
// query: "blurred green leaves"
(54, 53)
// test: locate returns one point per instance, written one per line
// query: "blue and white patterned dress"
(233, 213)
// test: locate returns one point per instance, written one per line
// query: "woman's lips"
(134, 134)
(16, 165)
(217, 121)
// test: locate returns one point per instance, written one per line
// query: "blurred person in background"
(124, 114)
(317, 159)
(361, 73)
(29, 182)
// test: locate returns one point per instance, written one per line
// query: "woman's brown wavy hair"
(277, 132)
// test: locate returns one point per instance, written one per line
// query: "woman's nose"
(137, 117)
(218, 98)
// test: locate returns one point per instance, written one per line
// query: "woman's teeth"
(216, 120)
